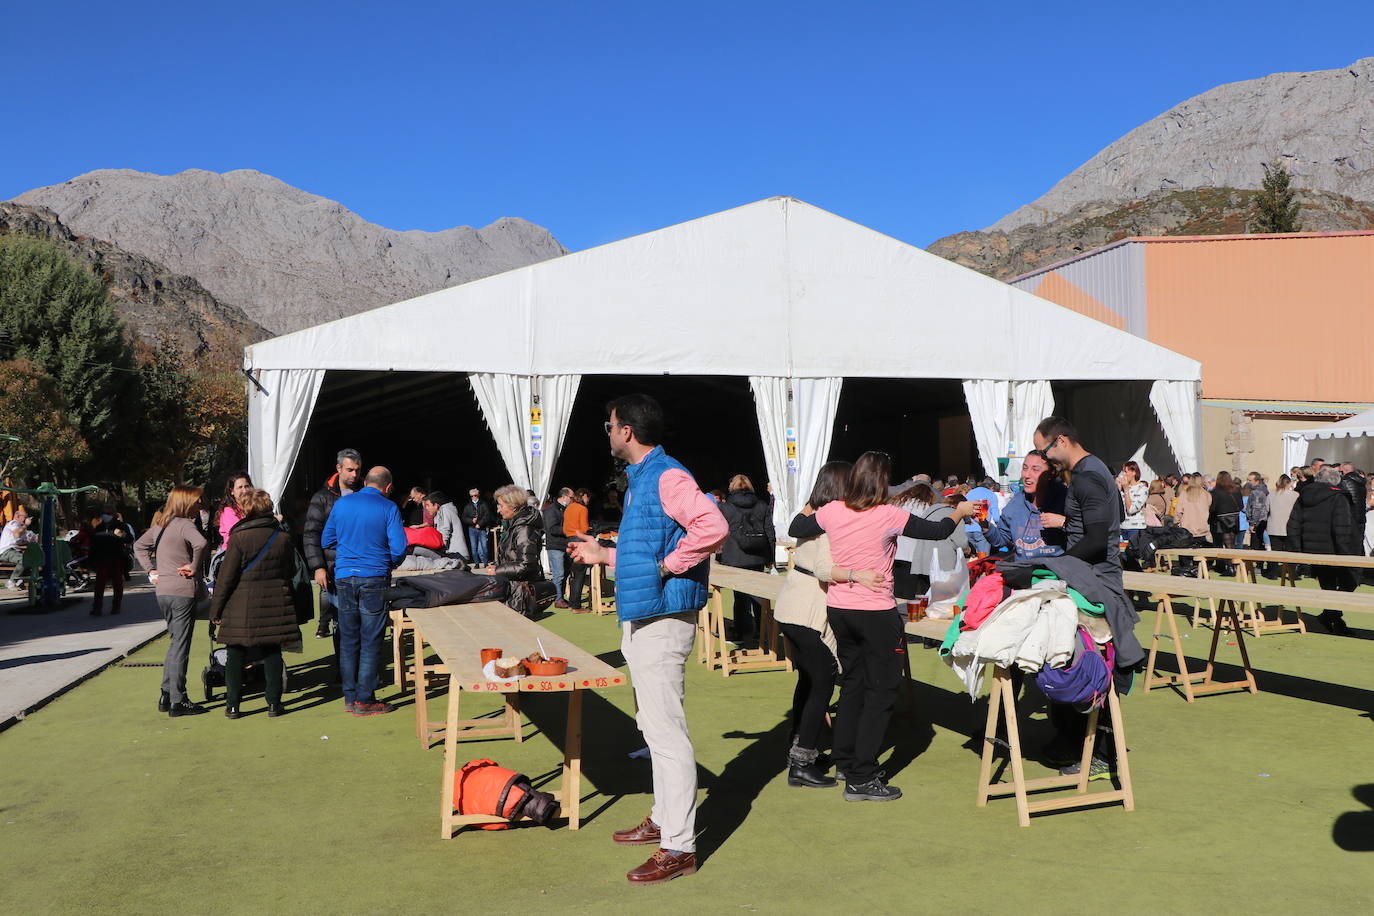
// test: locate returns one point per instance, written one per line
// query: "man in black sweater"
(1091, 521)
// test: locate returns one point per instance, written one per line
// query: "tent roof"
(777, 287)
(1362, 424)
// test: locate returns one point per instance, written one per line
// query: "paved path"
(44, 655)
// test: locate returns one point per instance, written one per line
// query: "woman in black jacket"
(253, 604)
(1224, 519)
(750, 545)
(521, 536)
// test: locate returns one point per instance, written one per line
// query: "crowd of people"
(862, 546)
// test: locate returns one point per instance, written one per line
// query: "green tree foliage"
(49, 445)
(60, 316)
(1276, 210)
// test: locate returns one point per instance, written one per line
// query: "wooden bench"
(771, 654)
(1228, 597)
(458, 634)
(1246, 561)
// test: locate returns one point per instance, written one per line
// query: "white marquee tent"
(792, 297)
(1357, 433)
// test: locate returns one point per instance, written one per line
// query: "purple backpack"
(1084, 682)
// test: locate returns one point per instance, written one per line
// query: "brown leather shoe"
(561, 604)
(646, 834)
(664, 866)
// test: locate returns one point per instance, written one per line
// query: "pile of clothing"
(1029, 627)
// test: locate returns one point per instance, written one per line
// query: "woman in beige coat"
(1194, 508)
(800, 613)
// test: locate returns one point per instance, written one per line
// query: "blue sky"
(602, 120)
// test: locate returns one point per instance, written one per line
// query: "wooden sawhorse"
(1197, 683)
(1002, 707)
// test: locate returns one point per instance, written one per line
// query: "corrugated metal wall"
(1269, 317)
(1107, 284)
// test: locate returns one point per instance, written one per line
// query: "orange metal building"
(1280, 324)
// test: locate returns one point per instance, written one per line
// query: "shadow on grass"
(1354, 830)
(730, 796)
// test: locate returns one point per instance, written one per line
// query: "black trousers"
(1336, 579)
(815, 682)
(872, 646)
(576, 580)
(746, 612)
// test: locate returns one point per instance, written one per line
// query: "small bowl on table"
(549, 667)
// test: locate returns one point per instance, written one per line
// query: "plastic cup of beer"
(916, 609)
(982, 506)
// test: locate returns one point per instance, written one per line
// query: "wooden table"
(1229, 595)
(458, 633)
(1246, 560)
(771, 653)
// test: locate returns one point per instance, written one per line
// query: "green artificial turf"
(1243, 804)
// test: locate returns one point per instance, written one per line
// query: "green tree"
(1276, 210)
(49, 445)
(60, 316)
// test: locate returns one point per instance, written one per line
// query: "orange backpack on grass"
(485, 787)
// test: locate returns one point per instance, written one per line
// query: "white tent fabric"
(796, 422)
(1297, 442)
(279, 408)
(815, 402)
(505, 402)
(557, 393)
(1031, 402)
(779, 272)
(988, 402)
(770, 404)
(1175, 404)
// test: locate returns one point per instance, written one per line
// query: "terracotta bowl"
(551, 667)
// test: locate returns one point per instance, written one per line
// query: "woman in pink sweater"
(863, 531)
(235, 488)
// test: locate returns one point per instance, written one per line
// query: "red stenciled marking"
(546, 685)
(586, 683)
(602, 682)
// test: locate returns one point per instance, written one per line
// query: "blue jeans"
(362, 620)
(477, 545)
(558, 569)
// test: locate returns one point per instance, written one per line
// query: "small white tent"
(1357, 433)
(808, 298)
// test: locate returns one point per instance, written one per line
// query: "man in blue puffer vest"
(662, 562)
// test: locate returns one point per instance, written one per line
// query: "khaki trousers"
(657, 650)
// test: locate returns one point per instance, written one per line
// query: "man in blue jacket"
(667, 535)
(365, 532)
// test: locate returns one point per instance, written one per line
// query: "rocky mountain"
(153, 300)
(1190, 171)
(1203, 211)
(289, 259)
(1320, 125)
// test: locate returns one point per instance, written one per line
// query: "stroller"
(212, 675)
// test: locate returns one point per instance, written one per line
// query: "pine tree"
(57, 314)
(1275, 207)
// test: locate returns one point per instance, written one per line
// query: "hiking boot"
(275, 709)
(372, 709)
(231, 712)
(873, 790)
(1097, 769)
